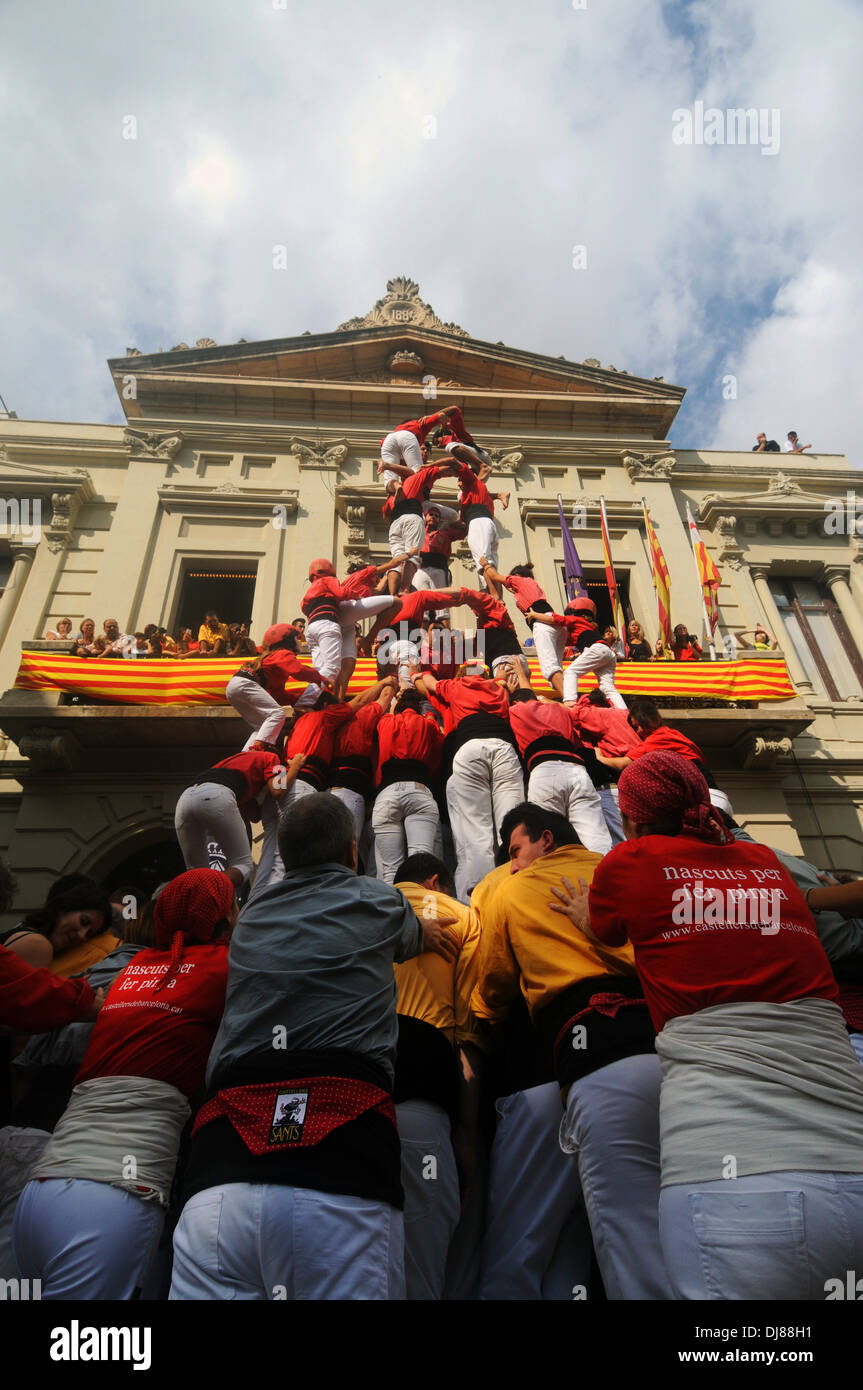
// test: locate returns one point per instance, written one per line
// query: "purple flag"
(575, 585)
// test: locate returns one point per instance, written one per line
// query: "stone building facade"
(239, 464)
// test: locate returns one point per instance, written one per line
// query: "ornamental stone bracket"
(730, 550)
(58, 532)
(152, 444)
(228, 499)
(657, 466)
(462, 553)
(506, 460)
(311, 453)
(761, 748)
(50, 751)
(355, 515)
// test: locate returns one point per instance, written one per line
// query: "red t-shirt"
(256, 768)
(471, 695)
(533, 719)
(473, 492)
(668, 740)
(491, 611)
(420, 428)
(356, 739)
(698, 946)
(440, 542)
(575, 624)
(279, 667)
(168, 1035)
(409, 735)
(358, 585)
(687, 653)
(417, 602)
(314, 732)
(608, 730)
(527, 591)
(455, 429)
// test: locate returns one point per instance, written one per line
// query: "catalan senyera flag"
(575, 585)
(707, 573)
(661, 578)
(610, 580)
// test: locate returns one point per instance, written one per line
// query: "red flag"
(617, 611)
(661, 579)
(707, 573)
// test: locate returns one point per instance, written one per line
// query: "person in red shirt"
(530, 599)
(89, 1220)
(485, 776)
(405, 818)
(497, 639)
(401, 649)
(257, 690)
(477, 514)
(452, 436)
(553, 760)
(333, 608)
(402, 445)
(685, 646)
(403, 510)
(433, 562)
(217, 808)
(355, 748)
(756, 1063)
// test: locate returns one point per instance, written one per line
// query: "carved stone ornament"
(762, 750)
(134, 352)
(781, 483)
(507, 460)
(49, 751)
(591, 362)
(641, 466)
(206, 342)
(730, 551)
(151, 444)
(59, 530)
(462, 553)
(179, 347)
(401, 306)
(312, 454)
(356, 557)
(404, 363)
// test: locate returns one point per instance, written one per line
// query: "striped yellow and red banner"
(661, 579)
(202, 682)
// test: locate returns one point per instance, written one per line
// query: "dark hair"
(8, 887)
(418, 867)
(141, 930)
(65, 882)
(521, 696)
(523, 571)
(356, 567)
(535, 820)
(83, 897)
(409, 698)
(599, 698)
(325, 698)
(316, 829)
(645, 711)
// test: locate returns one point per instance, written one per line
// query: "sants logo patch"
(289, 1116)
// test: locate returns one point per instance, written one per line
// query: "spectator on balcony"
(793, 446)
(118, 642)
(85, 638)
(213, 635)
(763, 445)
(239, 641)
(185, 643)
(62, 633)
(762, 641)
(637, 645)
(612, 639)
(685, 646)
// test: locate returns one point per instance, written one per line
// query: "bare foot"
(503, 498)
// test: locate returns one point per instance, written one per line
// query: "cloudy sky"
(473, 145)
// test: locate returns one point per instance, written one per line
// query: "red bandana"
(661, 785)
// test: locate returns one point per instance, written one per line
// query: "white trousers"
(405, 533)
(356, 804)
(566, 788)
(208, 813)
(601, 660)
(325, 652)
(85, 1240)
(258, 1241)
(429, 578)
(406, 821)
(486, 782)
(400, 446)
(432, 1203)
(537, 1240)
(612, 1125)
(550, 644)
(353, 611)
(482, 538)
(262, 713)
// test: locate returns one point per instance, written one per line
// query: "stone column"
(22, 559)
(777, 627)
(837, 579)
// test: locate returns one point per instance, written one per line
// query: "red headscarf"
(190, 908)
(661, 785)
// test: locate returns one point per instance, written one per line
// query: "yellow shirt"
(435, 990)
(480, 898)
(209, 634)
(525, 945)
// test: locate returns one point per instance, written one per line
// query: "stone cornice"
(227, 498)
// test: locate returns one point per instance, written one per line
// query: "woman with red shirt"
(761, 1111)
(89, 1220)
(405, 818)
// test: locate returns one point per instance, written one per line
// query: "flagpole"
(616, 605)
(708, 630)
(652, 570)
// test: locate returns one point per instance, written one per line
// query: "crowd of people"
(509, 1007)
(763, 445)
(215, 639)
